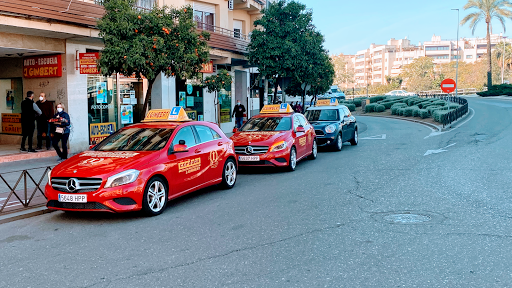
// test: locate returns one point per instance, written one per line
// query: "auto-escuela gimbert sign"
(42, 66)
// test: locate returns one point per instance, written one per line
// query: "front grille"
(255, 150)
(78, 206)
(82, 184)
(319, 132)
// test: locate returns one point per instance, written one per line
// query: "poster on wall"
(11, 123)
(9, 99)
(101, 92)
(182, 99)
(88, 63)
(190, 101)
(192, 115)
(100, 131)
(126, 114)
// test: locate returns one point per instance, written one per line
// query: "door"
(310, 133)
(211, 153)
(348, 124)
(184, 168)
(301, 137)
(237, 28)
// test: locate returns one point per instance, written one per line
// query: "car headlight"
(278, 146)
(122, 178)
(330, 128)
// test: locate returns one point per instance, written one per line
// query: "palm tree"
(487, 10)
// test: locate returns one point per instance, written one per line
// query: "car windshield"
(136, 139)
(268, 124)
(322, 115)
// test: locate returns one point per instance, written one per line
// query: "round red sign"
(448, 85)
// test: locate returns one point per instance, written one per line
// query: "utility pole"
(457, 67)
(503, 56)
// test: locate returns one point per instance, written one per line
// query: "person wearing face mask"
(238, 112)
(61, 133)
(43, 126)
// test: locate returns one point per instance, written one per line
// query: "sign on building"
(88, 63)
(207, 68)
(100, 131)
(42, 66)
(230, 4)
(11, 123)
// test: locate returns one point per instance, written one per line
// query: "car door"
(345, 125)
(211, 153)
(310, 133)
(183, 172)
(300, 137)
(351, 123)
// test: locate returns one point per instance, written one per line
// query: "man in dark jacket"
(43, 126)
(29, 112)
(238, 112)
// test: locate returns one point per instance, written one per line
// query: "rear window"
(268, 124)
(322, 115)
(136, 139)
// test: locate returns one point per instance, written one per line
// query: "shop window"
(190, 96)
(102, 107)
(225, 105)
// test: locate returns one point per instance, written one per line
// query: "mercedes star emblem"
(249, 150)
(72, 184)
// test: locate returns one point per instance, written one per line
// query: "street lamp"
(457, 67)
(503, 56)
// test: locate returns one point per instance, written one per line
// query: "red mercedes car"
(276, 137)
(143, 166)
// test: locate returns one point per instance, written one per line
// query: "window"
(215, 134)
(360, 56)
(322, 115)
(296, 123)
(205, 133)
(469, 56)
(268, 124)
(456, 57)
(435, 48)
(347, 112)
(145, 4)
(136, 139)
(302, 120)
(185, 134)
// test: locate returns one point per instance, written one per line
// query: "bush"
(379, 108)
(401, 111)
(377, 99)
(351, 107)
(357, 101)
(438, 115)
(424, 113)
(370, 108)
(395, 107)
(411, 100)
(497, 90)
(408, 112)
(416, 112)
(431, 109)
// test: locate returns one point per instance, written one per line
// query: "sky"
(350, 26)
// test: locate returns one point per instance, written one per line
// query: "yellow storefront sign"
(11, 123)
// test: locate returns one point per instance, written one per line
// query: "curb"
(24, 214)
(433, 126)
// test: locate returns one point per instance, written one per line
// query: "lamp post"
(457, 67)
(503, 58)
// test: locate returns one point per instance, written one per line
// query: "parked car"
(400, 93)
(143, 166)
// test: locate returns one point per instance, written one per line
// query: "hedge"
(431, 109)
(401, 111)
(370, 108)
(377, 99)
(351, 107)
(424, 113)
(379, 108)
(439, 114)
(357, 101)
(408, 112)
(395, 107)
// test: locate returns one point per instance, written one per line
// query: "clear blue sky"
(349, 26)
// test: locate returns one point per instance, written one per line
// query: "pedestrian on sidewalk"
(43, 126)
(29, 112)
(238, 112)
(61, 131)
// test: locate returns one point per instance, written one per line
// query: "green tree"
(487, 11)
(420, 75)
(344, 71)
(148, 43)
(286, 44)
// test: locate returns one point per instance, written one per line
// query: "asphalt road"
(380, 214)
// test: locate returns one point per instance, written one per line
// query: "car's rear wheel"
(355, 140)
(338, 145)
(292, 163)
(229, 174)
(314, 151)
(155, 196)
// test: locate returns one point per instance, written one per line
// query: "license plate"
(73, 198)
(248, 158)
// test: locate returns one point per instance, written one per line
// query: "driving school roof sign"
(42, 66)
(173, 114)
(327, 102)
(279, 108)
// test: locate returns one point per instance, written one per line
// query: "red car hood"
(259, 138)
(102, 164)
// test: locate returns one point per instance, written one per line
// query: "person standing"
(29, 112)
(238, 112)
(62, 124)
(43, 126)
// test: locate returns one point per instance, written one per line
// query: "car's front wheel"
(338, 145)
(314, 151)
(155, 197)
(229, 174)
(292, 163)
(355, 140)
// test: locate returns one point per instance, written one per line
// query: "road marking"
(429, 152)
(435, 133)
(376, 137)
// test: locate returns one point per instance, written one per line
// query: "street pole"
(457, 67)
(503, 56)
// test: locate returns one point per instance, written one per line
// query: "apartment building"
(373, 65)
(43, 43)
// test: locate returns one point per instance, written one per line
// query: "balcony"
(225, 39)
(251, 6)
(83, 13)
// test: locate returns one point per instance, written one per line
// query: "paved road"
(338, 221)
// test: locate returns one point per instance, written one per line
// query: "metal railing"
(450, 117)
(29, 189)
(223, 31)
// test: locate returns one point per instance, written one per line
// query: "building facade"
(43, 45)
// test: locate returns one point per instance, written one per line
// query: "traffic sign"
(448, 85)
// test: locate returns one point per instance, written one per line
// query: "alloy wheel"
(230, 173)
(156, 196)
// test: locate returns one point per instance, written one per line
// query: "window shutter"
(204, 7)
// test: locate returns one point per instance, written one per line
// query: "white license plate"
(248, 158)
(73, 198)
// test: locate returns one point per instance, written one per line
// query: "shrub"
(377, 99)
(396, 106)
(438, 115)
(401, 111)
(410, 101)
(357, 101)
(369, 108)
(379, 108)
(416, 112)
(351, 107)
(431, 109)
(424, 113)
(387, 105)
(408, 112)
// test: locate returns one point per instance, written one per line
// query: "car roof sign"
(327, 102)
(176, 114)
(278, 108)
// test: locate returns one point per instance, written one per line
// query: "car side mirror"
(301, 129)
(180, 147)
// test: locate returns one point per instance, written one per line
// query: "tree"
(286, 43)
(487, 10)
(216, 83)
(148, 43)
(344, 71)
(420, 75)
(503, 52)
(471, 75)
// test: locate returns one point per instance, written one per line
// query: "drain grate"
(408, 217)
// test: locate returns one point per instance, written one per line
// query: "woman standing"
(61, 132)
